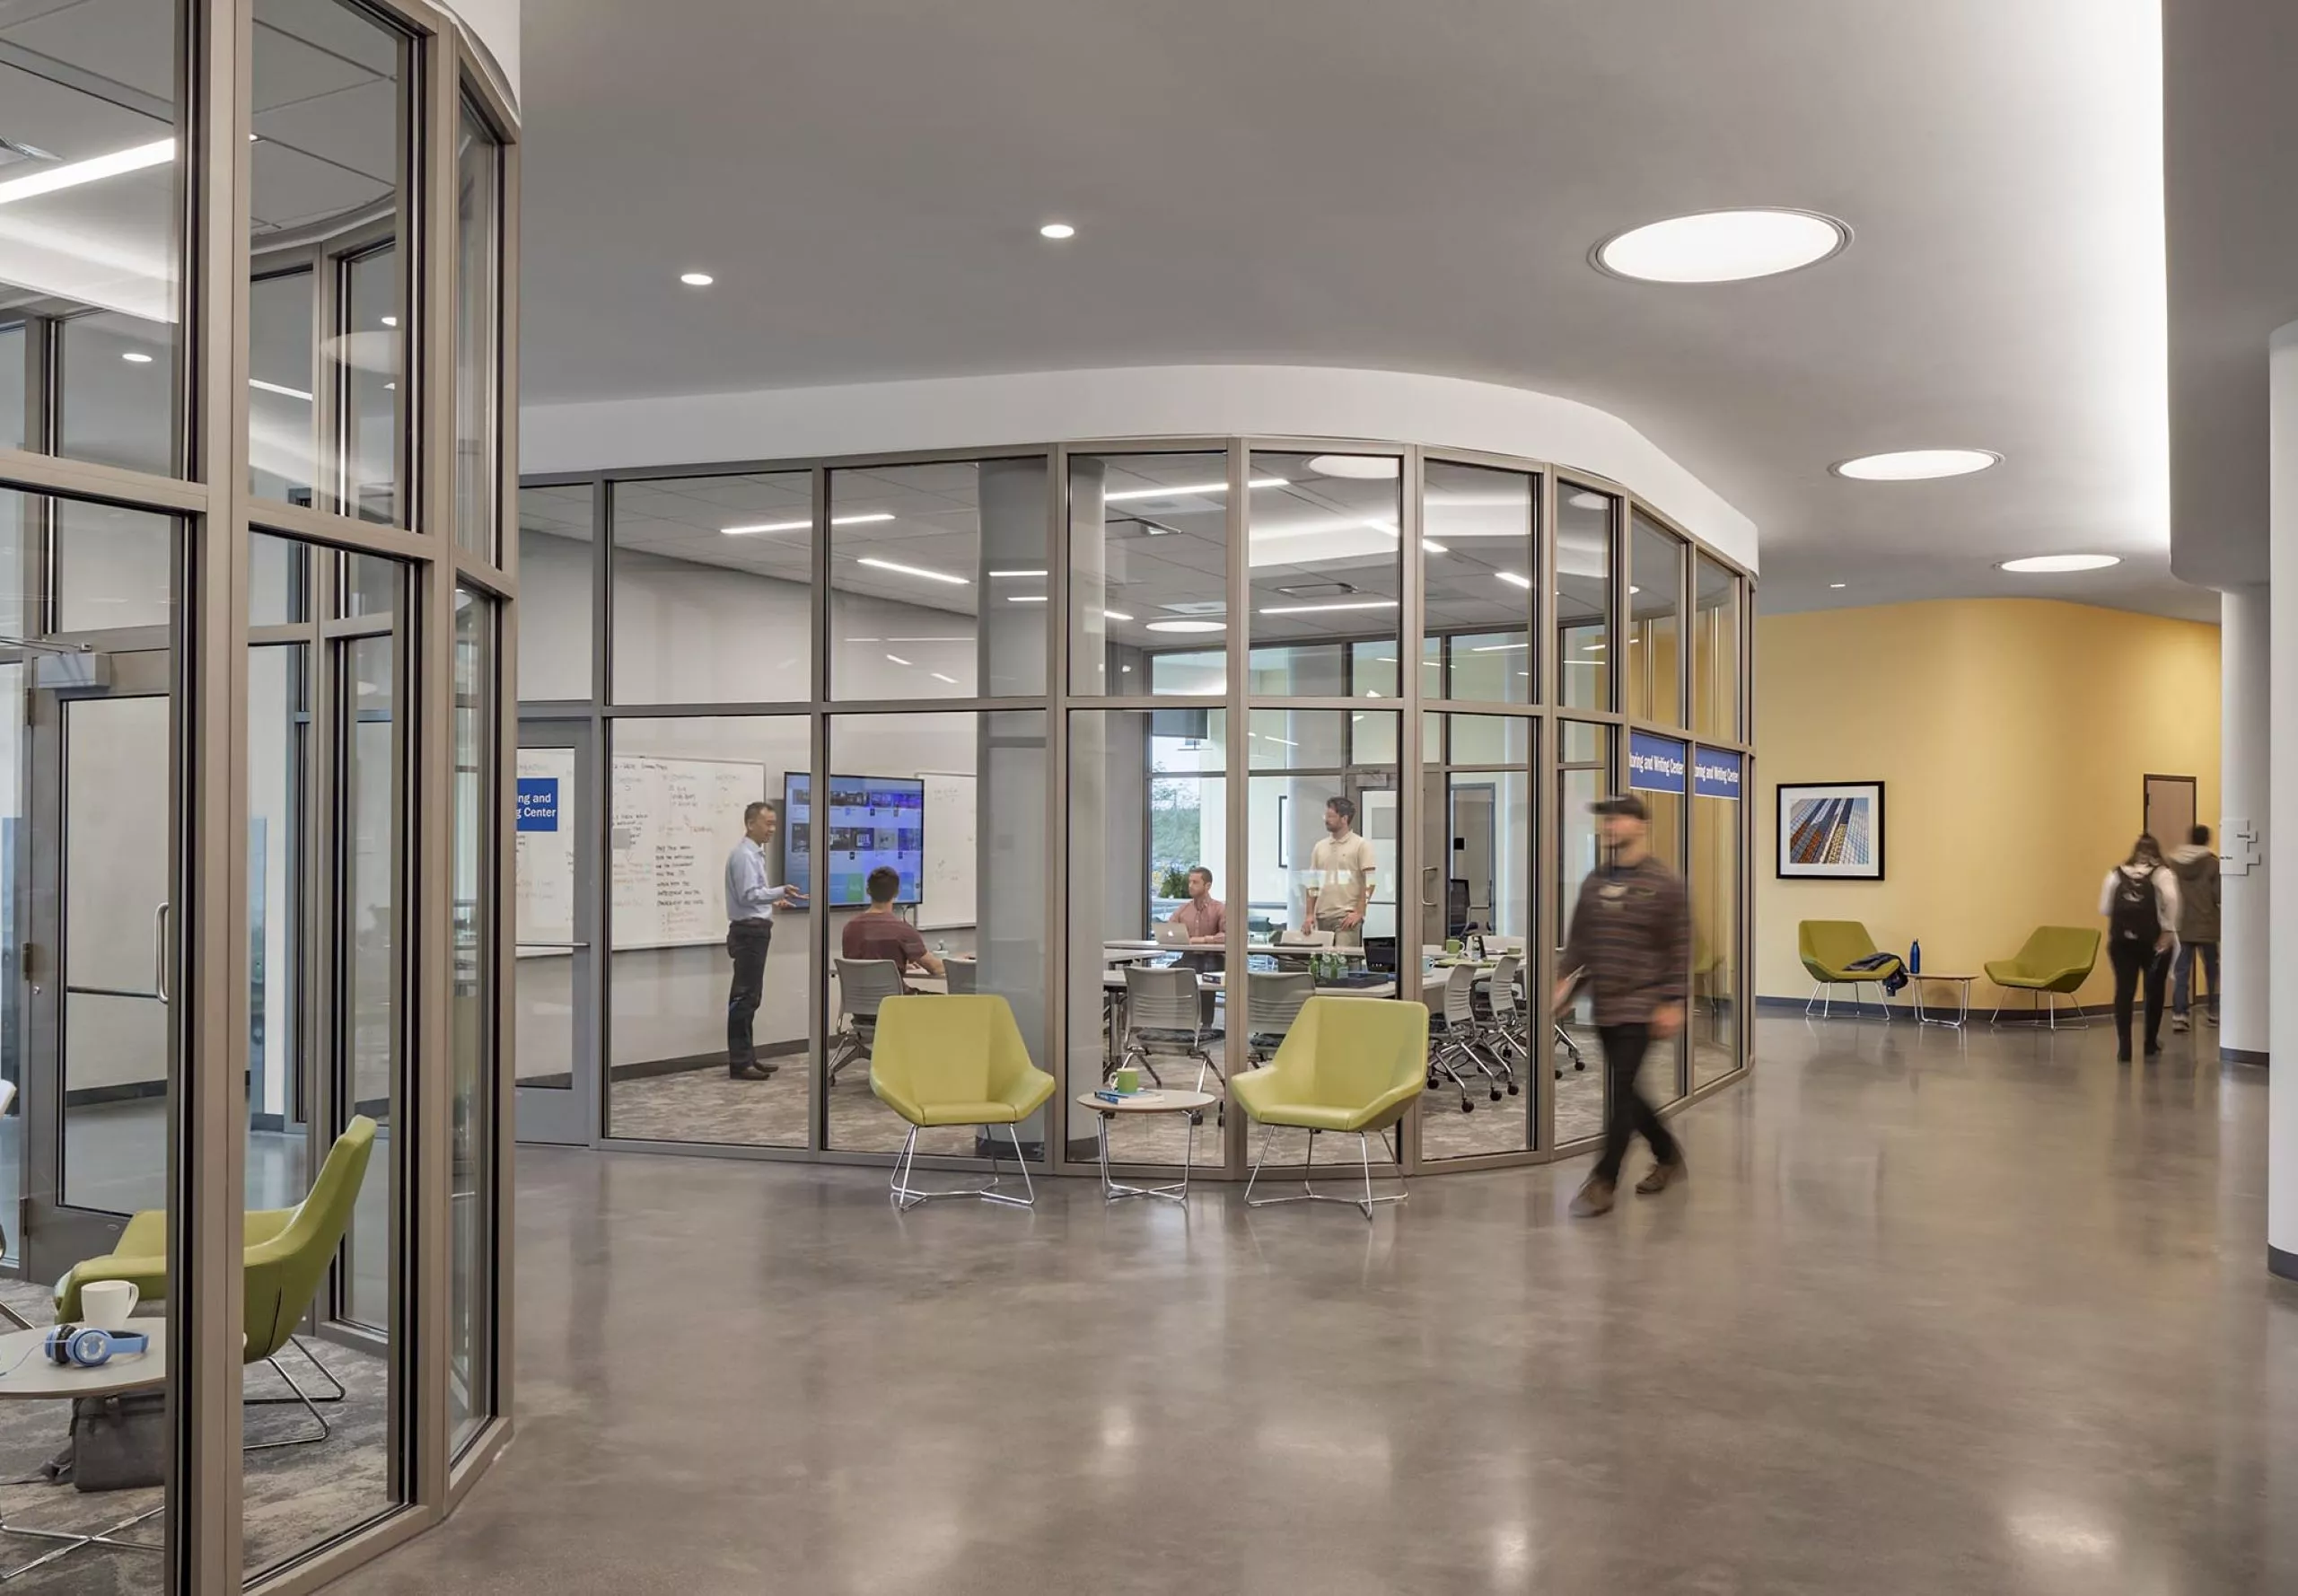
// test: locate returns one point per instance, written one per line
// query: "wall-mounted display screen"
(869, 820)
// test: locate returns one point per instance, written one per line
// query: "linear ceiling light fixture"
(1725, 246)
(1915, 465)
(919, 571)
(281, 388)
(799, 526)
(74, 173)
(1326, 608)
(1186, 490)
(2037, 564)
(1513, 579)
(1187, 626)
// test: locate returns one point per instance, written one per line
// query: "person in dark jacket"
(1631, 944)
(2197, 868)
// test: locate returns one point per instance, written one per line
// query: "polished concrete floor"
(1933, 1314)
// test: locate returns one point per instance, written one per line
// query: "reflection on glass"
(682, 790)
(91, 231)
(1148, 570)
(1481, 568)
(1575, 1055)
(13, 385)
(1476, 827)
(328, 109)
(282, 418)
(938, 585)
(1655, 665)
(1585, 519)
(1663, 1069)
(555, 573)
(1313, 864)
(471, 1159)
(375, 785)
(279, 580)
(713, 590)
(1148, 845)
(1716, 651)
(1325, 560)
(978, 856)
(279, 783)
(479, 297)
(1715, 886)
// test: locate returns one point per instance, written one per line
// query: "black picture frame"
(1857, 827)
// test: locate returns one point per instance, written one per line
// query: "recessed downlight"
(1839, 584)
(2037, 564)
(1727, 246)
(697, 279)
(1360, 467)
(1915, 465)
(1057, 230)
(1187, 626)
(1584, 500)
(135, 357)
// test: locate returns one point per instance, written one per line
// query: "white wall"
(964, 413)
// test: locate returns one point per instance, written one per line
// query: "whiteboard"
(947, 899)
(675, 821)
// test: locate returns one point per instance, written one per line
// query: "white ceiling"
(1373, 183)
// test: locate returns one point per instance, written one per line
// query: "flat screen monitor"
(869, 820)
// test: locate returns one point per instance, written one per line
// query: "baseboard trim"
(2281, 1263)
(646, 1069)
(2241, 1056)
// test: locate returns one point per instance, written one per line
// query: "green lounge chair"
(1829, 948)
(2054, 964)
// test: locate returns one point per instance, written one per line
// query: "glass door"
(98, 924)
(557, 959)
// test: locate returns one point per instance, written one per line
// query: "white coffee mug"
(107, 1303)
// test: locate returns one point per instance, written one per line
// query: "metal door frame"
(572, 1115)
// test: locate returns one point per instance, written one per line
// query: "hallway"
(1931, 1315)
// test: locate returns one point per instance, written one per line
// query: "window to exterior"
(713, 597)
(1584, 523)
(1148, 572)
(1481, 569)
(1655, 663)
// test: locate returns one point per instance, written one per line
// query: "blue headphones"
(88, 1348)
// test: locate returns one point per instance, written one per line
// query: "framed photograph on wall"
(1831, 830)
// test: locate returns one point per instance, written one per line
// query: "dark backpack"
(2135, 918)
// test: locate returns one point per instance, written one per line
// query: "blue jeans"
(2182, 973)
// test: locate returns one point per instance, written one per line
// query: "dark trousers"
(2182, 973)
(1626, 1113)
(2133, 960)
(746, 944)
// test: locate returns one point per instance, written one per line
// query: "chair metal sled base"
(301, 1398)
(2046, 1015)
(906, 1197)
(1826, 1002)
(1310, 1194)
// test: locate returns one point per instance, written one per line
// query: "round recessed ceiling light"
(1915, 465)
(1362, 468)
(697, 279)
(1722, 246)
(1589, 501)
(1057, 230)
(2044, 564)
(135, 357)
(1187, 626)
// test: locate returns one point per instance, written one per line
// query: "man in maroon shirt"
(879, 932)
(1206, 921)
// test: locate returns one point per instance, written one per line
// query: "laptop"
(1169, 934)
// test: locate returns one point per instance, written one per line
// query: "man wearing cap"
(1631, 944)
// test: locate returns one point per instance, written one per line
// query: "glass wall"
(915, 662)
(250, 1045)
(1717, 886)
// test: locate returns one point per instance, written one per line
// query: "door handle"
(160, 952)
(1428, 877)
(557, 947)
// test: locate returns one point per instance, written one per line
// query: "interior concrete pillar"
(2282, 795)
(2245, 637)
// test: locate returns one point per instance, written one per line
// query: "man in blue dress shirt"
(751, 900)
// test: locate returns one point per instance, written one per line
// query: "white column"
(2282, 1032)
(2245, 637)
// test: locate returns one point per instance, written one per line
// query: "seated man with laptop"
(1201, 922)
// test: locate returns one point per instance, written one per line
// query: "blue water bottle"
(1914, 959)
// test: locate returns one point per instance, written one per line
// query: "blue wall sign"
(538, 803)
(1654, 764)
(1715, 774)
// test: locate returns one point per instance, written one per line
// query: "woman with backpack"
(2140, 900)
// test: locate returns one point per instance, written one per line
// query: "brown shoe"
(751, 1072)
(1595, 1197)
(1661, 1176)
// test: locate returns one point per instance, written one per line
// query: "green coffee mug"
(1128, 1081)
(1452, 947)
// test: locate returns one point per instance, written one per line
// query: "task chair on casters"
(1352, 1066)
(955, 1061)
(288, 1251)
(863, 983)
(1272, 1002)
(2054, 964)
(1829, 948)
(1464, 1041)
(1162, 1018)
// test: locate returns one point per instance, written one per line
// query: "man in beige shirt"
(1340, 877)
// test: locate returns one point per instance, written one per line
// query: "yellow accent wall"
(2013, 736)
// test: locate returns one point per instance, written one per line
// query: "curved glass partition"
(1184, 728)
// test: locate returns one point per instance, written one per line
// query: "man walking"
(752, 902)
(1341, 866)
(2197, 868)
(1631, 944)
